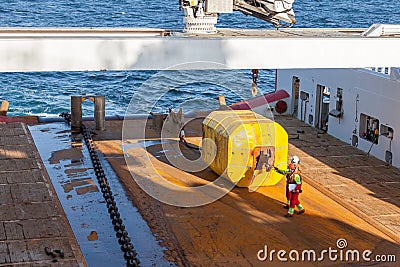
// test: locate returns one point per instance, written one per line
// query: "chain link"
(124, 241)
(254, 74)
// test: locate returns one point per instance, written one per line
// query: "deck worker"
(293, 186)
(288, 172)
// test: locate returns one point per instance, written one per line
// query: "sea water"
(48, 93)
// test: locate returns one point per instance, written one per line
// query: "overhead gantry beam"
(26, 50)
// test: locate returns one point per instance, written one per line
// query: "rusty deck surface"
(31, 216)
(232, 230)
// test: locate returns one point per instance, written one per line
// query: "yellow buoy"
(243, 146)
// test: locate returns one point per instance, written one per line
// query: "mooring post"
(100, 112)
(76, 113)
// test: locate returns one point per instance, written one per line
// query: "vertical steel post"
(100, 112)
(158, 121)
(76, 113)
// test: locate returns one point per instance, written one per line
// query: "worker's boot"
(301, 211)
(290, 212)
(300, 208)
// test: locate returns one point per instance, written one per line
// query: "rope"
(369, 150)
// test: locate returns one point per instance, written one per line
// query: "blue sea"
(48, 93)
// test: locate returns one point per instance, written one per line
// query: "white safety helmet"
(295, 160)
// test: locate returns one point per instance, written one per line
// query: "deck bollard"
(99, 112)
(76, 113)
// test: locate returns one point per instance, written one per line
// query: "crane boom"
(201, 15)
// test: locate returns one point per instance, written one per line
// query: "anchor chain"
(66, 116)
(124, 241)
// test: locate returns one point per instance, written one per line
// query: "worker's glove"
(300, 191)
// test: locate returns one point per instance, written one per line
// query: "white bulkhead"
(358, 106)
